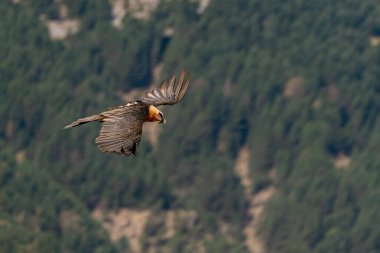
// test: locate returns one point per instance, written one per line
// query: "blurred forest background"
(275, 148)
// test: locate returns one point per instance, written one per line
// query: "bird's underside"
(122, 126)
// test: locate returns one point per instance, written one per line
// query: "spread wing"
(121, 130)
(170, 92)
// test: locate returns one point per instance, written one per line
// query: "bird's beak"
(163, 120)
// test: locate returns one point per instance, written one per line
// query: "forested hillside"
(285, 96)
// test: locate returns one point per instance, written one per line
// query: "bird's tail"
(97, 117)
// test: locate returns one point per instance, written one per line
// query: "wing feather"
(122, 129)
(170, 92)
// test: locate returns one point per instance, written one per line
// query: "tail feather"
(78, 122)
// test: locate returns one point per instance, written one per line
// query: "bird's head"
(155, 115)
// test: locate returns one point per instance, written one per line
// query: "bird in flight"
(122, 125)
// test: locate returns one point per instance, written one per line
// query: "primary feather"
(170, 92)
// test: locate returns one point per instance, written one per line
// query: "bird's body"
(122, 125)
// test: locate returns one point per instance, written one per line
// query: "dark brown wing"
(122, 128)
(170, 92)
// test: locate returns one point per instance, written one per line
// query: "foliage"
(295, 81)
